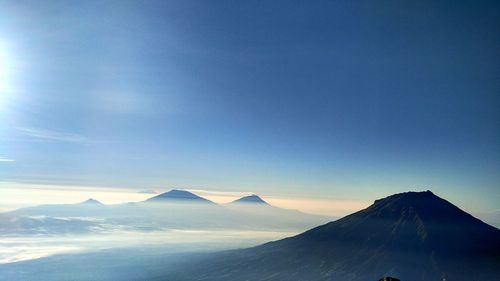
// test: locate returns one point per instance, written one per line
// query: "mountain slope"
(176, 195)
(414, 236)
(251, 210)
(251, 199)
(91, 201)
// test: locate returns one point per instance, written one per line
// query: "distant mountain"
(176, 209)
(250, 199)
(176, 195)
(53, 219)
(91, 201)
(414, 236)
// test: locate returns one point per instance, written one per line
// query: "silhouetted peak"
(426, 204)
(91, 201)
(178, 195)
(254, 199)
(403, 213)
(409, 197)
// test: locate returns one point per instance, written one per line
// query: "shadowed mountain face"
(176, 195)
(250, 199)
(412, 236)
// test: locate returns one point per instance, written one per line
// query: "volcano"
(414, 236)
(177, 195)
(251, 199)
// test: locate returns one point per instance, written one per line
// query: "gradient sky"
(329, 99)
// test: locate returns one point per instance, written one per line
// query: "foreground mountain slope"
(413, 236)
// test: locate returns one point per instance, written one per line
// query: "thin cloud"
(50, 135)
(222, 193)
(5, 159)
(147, 191)
(219, 196)
(332, 207)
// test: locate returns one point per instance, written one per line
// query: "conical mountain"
(91, 201)
(251, 199)
(414, 236)
(180, 196)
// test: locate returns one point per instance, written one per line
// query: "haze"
(140, 132)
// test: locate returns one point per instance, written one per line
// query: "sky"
(340, 100)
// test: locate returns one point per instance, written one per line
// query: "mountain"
(53, 219)
(414, 236)
(253, 199)
(176, 209)
(176, 195)
(252, 210)
(91, 201)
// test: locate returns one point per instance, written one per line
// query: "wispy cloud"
(219, 196)
(202, 192)
(147, 191)
(51, 135)
(5, 159)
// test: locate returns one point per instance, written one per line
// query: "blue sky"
(346, 99)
